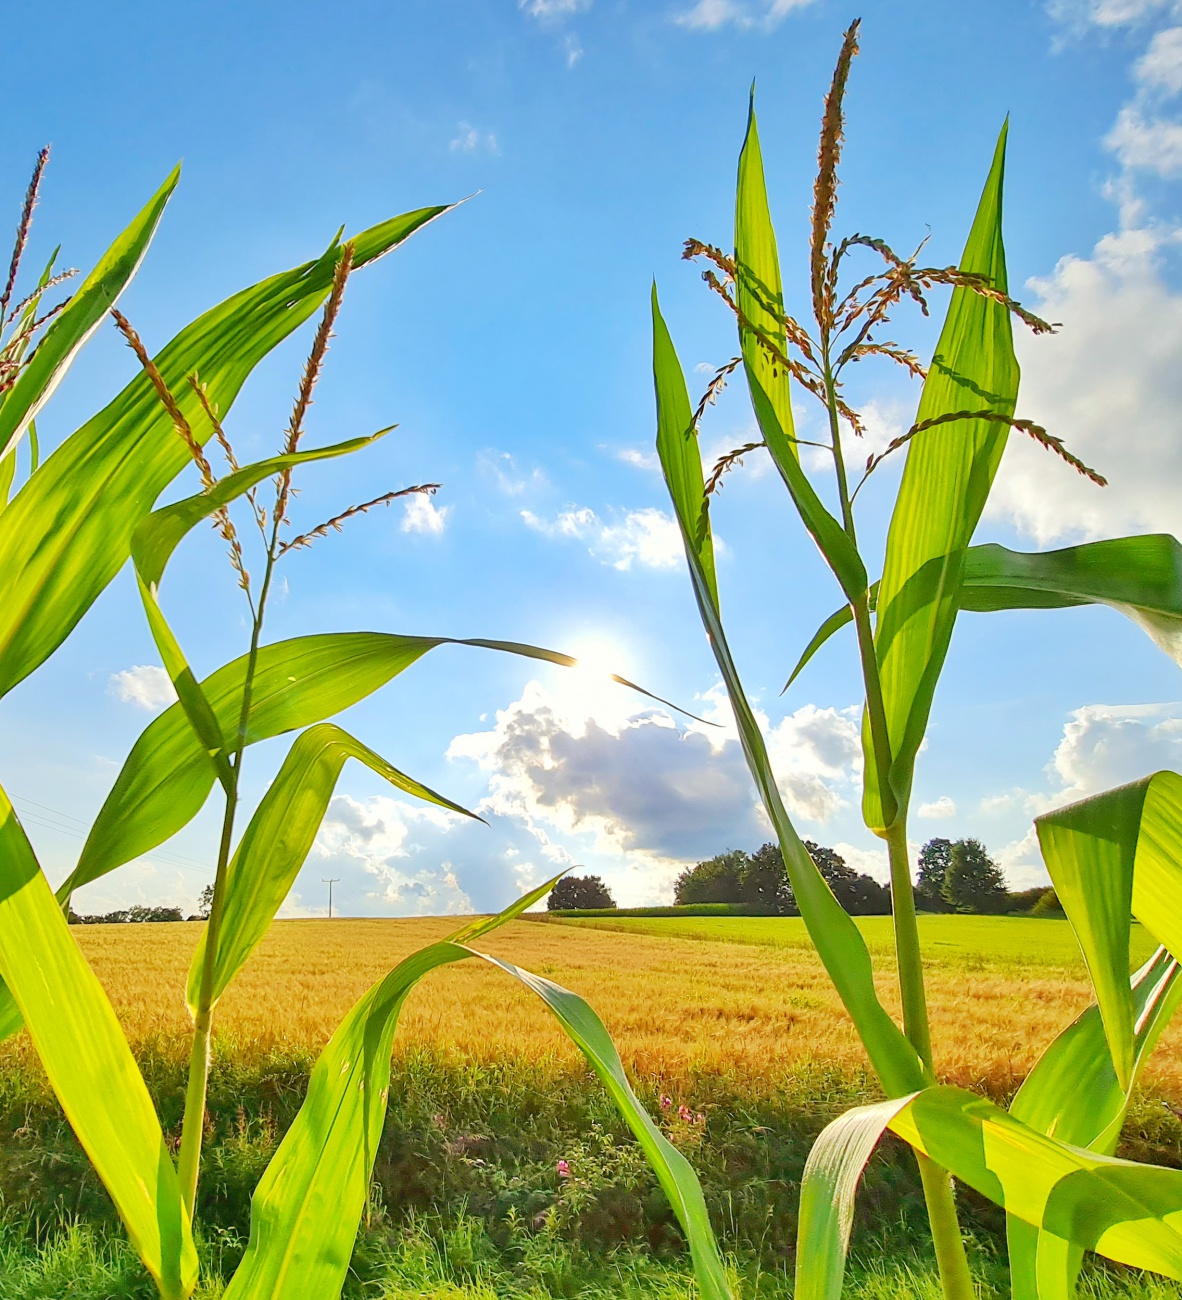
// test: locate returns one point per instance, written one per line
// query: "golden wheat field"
(673, 1004)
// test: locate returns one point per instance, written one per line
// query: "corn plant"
(1048, 1159)
(77, 518)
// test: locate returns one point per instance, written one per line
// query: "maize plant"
(78, 516)
(1048, 1159)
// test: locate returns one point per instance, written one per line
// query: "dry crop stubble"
(676, 1007)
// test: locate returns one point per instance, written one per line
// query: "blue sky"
(510, 341)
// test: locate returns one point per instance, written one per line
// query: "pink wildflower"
(684, 1112)
(563, 1169)
(666, 1101)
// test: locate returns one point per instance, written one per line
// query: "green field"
(1017, 940)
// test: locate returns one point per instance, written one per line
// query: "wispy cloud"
(646, 537)
(548, 10)
(469, 139)
(710, 15)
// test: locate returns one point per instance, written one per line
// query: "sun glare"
(587, 692)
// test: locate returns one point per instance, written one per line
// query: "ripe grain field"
(729, 995)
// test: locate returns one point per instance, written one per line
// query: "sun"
(586, 692)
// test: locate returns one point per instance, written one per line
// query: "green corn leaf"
(307, 1206)
(1118, 853)
(945, 483)
(674, 1173)
(152, 545)
(167, 776)
(1073, 1094)
(758, 292)
(278, 839)
(89, 1064)
(1128, 1212)
(100, 483)
(89, 304)
(827, 1192)
(1141, 577)
(760, 298)
(838, 940)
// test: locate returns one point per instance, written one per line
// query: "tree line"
(954, 876)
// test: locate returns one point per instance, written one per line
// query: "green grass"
(1018, 940)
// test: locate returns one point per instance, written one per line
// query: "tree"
(764, 885)
(577, 893)
(717, 880)
(973, 882)
(934, 860)
(205, 902)
(859, 894)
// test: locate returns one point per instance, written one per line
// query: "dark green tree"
(576, 893)
(764, 883)
(934, 860)
(859, 894)
(205, 902)
(717, 880)
(973, 882)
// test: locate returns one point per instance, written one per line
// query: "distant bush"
(580, 893)
(691, 909)
(132, 914)
(1048, 905)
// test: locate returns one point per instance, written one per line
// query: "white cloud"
(574, 49)
(145, 685)
(644, 789)
(1106, 13)
(509, 477)
(639, 459)
(1109, 384)
(939, 808)
(553, 10)
(647, 537)
(710, 15)
(1160, 67)
(1148, 143)
(1102, 746)
(470, 139)
(423, 516)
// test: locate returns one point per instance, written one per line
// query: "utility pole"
(335, 880)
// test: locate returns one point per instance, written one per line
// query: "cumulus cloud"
(645, 788)
(647, 537)
(710, 15)
(1102, 746)
(146, 685)
(937, 809)
(1110, 384)
(639, 459)
(423, 516)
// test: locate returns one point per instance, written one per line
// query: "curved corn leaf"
(838, 940)
(945, 483)
(1112, 856)
(1128, 1212)
(827, 1191)
(306, 1209)
(834, 623)
(89, 1064)
(1073, 1094)
(152, 544)
(278, 839)
(167, 776)
(89, 304)
(674, 1172)
(1141, 577)
(68, 531)
(758, 292)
